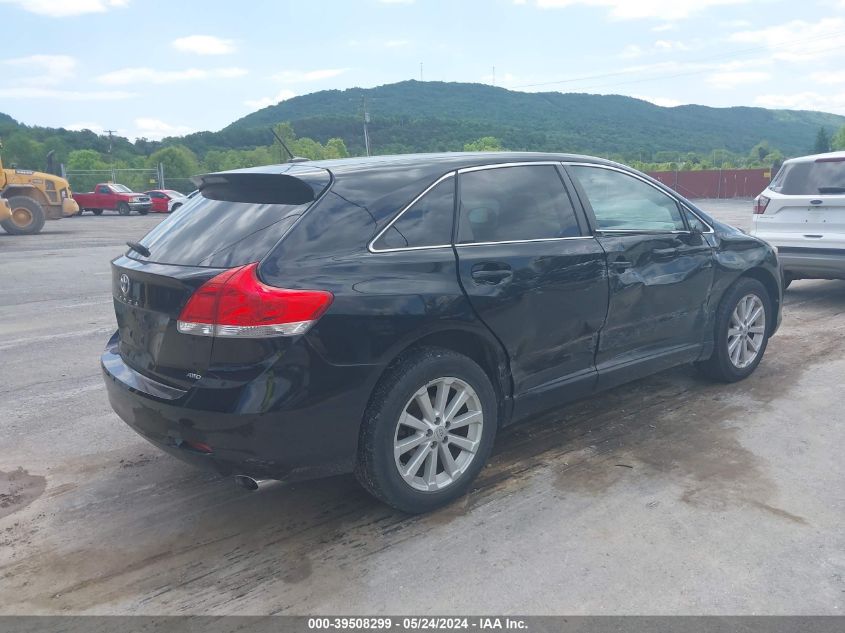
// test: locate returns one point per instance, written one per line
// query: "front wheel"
(123, 209)
(27, 216)
(143, 211)
(742, 332)
(428, 430)
(97, 211)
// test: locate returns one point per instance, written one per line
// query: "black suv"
(386, 316)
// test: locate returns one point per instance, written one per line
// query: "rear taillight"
(760, 204)
(235, 303)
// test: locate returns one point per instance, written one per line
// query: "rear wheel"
(97, 211)
(428, 430)
(123, 209)
(742, 332)
(27, 217)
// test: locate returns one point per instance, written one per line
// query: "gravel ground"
(671, 495)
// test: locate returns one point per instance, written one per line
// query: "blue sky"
(155, 68)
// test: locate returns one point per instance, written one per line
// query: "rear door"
(534, 277)
(234, 222)
(807, 206)
(660, 274)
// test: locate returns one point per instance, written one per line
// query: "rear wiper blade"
(831, 189)
(139, 248)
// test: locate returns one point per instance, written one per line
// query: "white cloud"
(126, 76)
(300, 76)
(632, 51)
(728, 80)
(257, 104)
(797, 40)
(44, 69)
(64, 8)
(155, 129)
(804, 101)
(34, 92)
(638, 9)
(829, 77)
(204, 45)
(660, 28)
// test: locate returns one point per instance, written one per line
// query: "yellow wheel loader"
(32, 197)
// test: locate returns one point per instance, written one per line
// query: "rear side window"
(623, 203)
(811, 179)
(233, 229)
(427, 222)
(515, 203)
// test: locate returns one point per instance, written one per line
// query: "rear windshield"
(810, 179)
(237, 227)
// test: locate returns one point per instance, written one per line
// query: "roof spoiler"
(259, 188)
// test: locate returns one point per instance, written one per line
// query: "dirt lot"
(671, 495)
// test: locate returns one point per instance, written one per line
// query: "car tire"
(27, 216)
(737, 332)
(123, 209)
(97, 211)
(143, 211)
(415, 378)
(175, 206)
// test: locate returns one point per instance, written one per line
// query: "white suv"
(802, 213)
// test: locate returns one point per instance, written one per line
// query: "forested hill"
(434, 116)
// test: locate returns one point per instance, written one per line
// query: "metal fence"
(716, 183)
(135, 179)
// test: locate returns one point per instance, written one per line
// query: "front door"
(660, 275)
(534, 276)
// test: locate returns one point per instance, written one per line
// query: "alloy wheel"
(438, 434)
(747, 331)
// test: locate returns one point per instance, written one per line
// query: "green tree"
(822, 143)
(24, 152)
(484, 144)
(85, 159)
(178, 161)
(336, 148)
(838, 140)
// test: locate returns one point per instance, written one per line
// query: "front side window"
(623, 203)
(513, 204)
(428, 222)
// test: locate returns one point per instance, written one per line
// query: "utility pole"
(366, 122)
(111, 158)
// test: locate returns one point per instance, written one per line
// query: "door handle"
(491, 273)
(664, 253)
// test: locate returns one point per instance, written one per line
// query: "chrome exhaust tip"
(249, 483)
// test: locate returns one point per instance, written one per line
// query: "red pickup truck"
(118, 198)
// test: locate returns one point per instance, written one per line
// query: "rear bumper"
(812, 263)
(317, 439)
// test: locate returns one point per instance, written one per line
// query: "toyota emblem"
(124, 284)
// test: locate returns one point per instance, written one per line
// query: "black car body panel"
(549, 320)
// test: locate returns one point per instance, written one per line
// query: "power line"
(697, 61)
